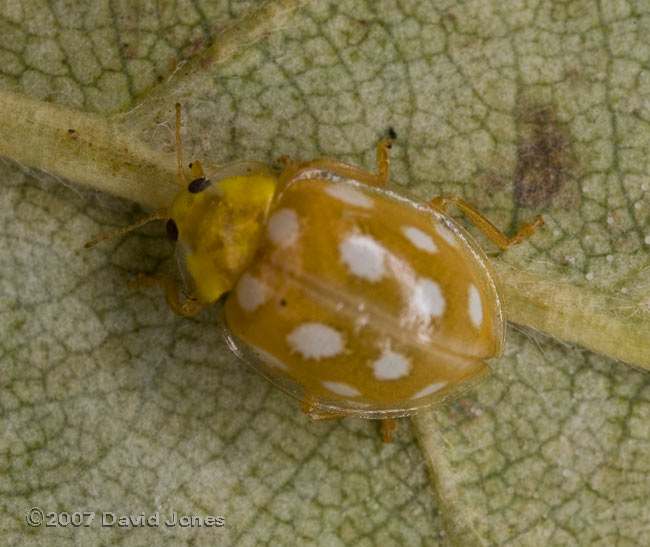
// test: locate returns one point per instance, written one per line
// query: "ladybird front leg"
(441, 203)
(189, 306)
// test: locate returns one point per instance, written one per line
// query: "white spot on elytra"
(420, 239)
(390, 366)
(610, 258)
(427, 299)
(431, 388)
(282, 227)
(250, 293)
(647, 240)
(364, 256)
(475, 306)
(446, 234)
(610, 220)
(349, 195)
(589, 276)
(315, 341)
(342, 389)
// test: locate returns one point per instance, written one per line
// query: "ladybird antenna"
(159, 214)
(179, 148)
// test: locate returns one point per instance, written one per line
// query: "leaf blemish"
(544, 160)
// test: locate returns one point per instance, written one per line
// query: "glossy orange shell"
(364, 301)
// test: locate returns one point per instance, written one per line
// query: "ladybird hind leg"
(441, 203)
(188, 307)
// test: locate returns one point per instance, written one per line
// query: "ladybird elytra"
(390, 306)
(342, 289)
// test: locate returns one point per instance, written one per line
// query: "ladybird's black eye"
(172, 230)
(391, 133)
(198, 185)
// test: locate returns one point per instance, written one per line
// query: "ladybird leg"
(310, 408)
(441, 203)
(388, 427)
(168, 284)
(350, 171)
(383, 158)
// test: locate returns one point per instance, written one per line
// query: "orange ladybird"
(343, 290)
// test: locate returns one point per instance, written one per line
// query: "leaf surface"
(111, 404)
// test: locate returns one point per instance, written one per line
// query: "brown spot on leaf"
(465, 410)
(493, 182)
(573, 75)
(544, 157)
(450, 16)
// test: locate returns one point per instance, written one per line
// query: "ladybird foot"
(527, 229)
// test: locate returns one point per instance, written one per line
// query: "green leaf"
(552, 450)
(109, 403)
